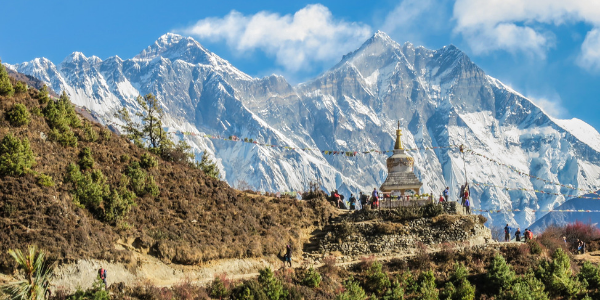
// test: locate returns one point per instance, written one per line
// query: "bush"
(534, 247)
(45, 180)
(147, 161)
(61, 117)
(89, 133)
(218, 288)
(20, 87)
(591, 274)
(499, 275)
(586, 232)
(16, 156)
(125, 158)
(208, 166)
(42, 95)
(312, 278)
(376, 280)
(6, 88)
(152, 187)
(86, 161)
(427, 287)
(396, 292)
(137, 178)
(525, 288)
(106, 134)
(272, 287)
(558, 276)
(352, 291)
(459, 287)
(249, 290)
(117, 205)
(18, 115)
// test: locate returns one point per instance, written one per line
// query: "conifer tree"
(16, 156)
(208, 166)
(6, 88)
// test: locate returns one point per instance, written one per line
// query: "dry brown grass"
(195, 218)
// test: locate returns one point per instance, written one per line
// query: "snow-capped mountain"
(440, 96)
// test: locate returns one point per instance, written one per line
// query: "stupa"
(401, 179)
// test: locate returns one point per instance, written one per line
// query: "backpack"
(102, 273)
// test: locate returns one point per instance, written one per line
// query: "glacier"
(440, 97)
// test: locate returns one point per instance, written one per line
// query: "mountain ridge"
(440, 96)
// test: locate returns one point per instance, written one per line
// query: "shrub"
(218, 288)
(583, 231)
(352, 291)
(6, 88)
(16, 156)
(499, 275)
(45, 180)
(89, 133)
(86, 161)
(147, 161)
(36, 111)
(591, 274)
(527, 288)
(558, 276)
(396, 292)
(117, 205)
(20, 87)
(106, 134)
(36, 272)
(137, 178)
(61, 117)
(312, 278)
(249, 290)
(272, 287)
(42, 95)
(18, 115)
(459, 287)
(427, 287)
(152, 187)
(125, 158)
(208, 166)
(376, 280)
(534, 247)
(66, 138)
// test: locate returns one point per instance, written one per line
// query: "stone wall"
(378, 237)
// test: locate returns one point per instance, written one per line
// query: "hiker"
(288, 255)
(363, 200)
(565, 240)
(446, 194)
(579, 246)
(357, 204)
(102, 273)
(462, 195)
(518, 235)
(375, 198)
(337, 198)
(466, 192)
(468, 206)
(352, 202)
(441, 199)
(526, 234)
(506, 233)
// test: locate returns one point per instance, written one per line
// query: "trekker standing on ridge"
(102, 273)
(506, 233)
(352, 202)
(441, 198)
(375, 196)
(518, 235)
(288, 255)
(468, 206)
(446, 193)
(462, 195)
(337, 198)
(363, 200)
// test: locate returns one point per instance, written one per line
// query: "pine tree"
(427, 287)
(208, 166)
(6, 88)
(16, 156)
(558, 276)
(499, 275)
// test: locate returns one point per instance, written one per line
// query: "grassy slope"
(194, 219)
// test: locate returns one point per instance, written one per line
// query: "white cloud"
(552, 107)
(515, 25)
(407, 19)
(590, 51)
(296, 41)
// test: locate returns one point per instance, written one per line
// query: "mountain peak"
(74, 57)
(168, 39)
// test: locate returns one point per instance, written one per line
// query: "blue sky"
(548, 50)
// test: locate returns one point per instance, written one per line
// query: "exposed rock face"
(441, 97)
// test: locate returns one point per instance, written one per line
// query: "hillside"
(579, 213)
(441, 97)
(179, 215)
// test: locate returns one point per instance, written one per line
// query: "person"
(352, 202)
(526, 234)
(288, 255)
(565, 241)
(462, 195)
(468, 206)
(466, 192)
(375, 196)
(363, 200)
(441, 199)
(530, 234)
(518, 235)
(446, 194)
(102, 273)
(579, 246)
(506, 233)
(337, 198)
(357, 204)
